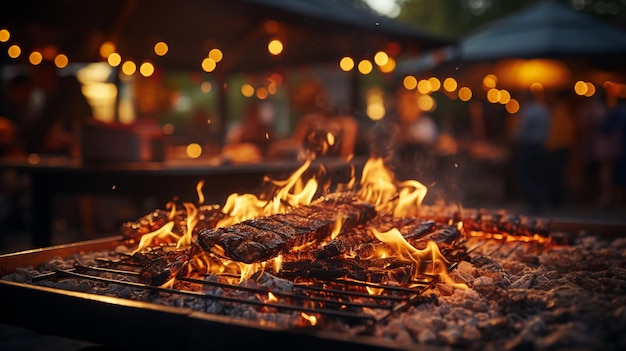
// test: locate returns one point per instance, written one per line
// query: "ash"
(521, 296)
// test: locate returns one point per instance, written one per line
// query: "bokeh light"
(114, 59)
(346, 64)
(365, 67)
(161, 48)
(409, 82)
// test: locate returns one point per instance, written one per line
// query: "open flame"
(430, 260)
(377, 186)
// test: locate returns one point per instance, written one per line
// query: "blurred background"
(501, 104)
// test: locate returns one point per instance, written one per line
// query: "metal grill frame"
(123, 323)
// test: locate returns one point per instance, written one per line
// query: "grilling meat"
(164, 267)
(260, 239)
(146, 224)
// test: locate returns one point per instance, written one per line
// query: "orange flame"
(310, 318)
(162, 233)
(379, 186)
(199, 191)
(405, 251)
(169, 284)
(241, 207)
(192, 220)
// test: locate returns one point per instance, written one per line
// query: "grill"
(130, 323)
(101, 319)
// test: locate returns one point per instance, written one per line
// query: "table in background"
(164, 181)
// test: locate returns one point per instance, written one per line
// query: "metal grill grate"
(342, 298)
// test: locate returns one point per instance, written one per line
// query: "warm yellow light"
(490, 81)
(35, 57)
(505, 96)
(208, 64)
(129, 68)
(61, 61)
(216, 55)
(365, 66)
(247, 90)
(146, 69)
(381, 58)
(512, 106)
(275, 47)
(262, 93)
(107, 48)
(449, 84)
(465, 94)
(423, 86)
(14, 51)
(389, 66)
(580, 88)
(409, 82)
(114, 59)
(426, 103)
(493, 95)
(375, 111)
(346, 64)
(194, 150)
(4, 35)
(435, 84)
(206, 87)
(591, 89)
(161, 48)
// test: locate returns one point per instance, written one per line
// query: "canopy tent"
(547, 42)
(546, 29)
(311, 31)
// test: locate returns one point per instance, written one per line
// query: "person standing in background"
(615, 127)
(14, 113)
(530, 152)
(57, 126)
(559, 143)
(599, 151)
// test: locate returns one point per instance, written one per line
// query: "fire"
(192, 220)
(310, 318)
(436, 262)
(379, 186)
(150, 239)
(291, 192)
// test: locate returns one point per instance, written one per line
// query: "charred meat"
(263, 238)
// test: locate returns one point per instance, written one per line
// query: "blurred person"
(325, 133)
(57, 127)
(530, 152)
(249, 140)
(615, 126)
(599, 151)
(256, 127)
(416, 139)
(559, 144)
(14, 113)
